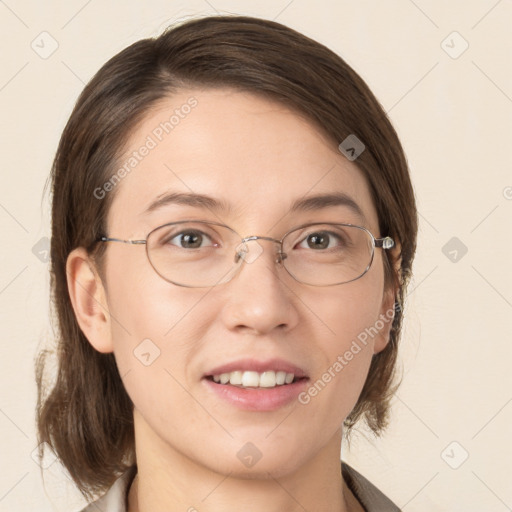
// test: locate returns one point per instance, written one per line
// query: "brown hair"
(85, 414)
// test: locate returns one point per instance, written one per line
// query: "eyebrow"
(188, 199)
(327, 200)
(310, 203)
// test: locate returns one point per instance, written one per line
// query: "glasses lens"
(328, 254)
(193, 254)
(202, 254)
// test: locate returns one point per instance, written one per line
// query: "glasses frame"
(377, 243)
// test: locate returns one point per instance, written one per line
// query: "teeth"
(250, 379)
(268, 379)
(280, 378)
(235, 378)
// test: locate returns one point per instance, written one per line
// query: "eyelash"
(300, 241)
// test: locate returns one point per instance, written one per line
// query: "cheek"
(141, 303)
(349, 317)
(155, 324)
(350, 312)
(157, 330)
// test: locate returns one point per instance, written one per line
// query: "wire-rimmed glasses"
(198, 254)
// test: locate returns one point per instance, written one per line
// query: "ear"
(388, 311)
(88, 298)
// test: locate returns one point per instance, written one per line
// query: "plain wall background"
(453, 113)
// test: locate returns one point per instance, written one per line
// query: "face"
(258, 157)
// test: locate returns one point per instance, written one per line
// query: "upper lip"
(258, 366)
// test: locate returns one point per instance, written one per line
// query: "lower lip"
(258, 399)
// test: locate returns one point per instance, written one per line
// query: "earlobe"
(88, 299)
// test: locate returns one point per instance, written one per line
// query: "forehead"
(255, 156)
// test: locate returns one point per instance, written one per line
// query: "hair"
(83, 412)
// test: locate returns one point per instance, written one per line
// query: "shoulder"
(115, 498)
(368, 495)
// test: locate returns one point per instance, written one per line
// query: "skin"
(251, 152)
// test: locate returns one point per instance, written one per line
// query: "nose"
(260, 298)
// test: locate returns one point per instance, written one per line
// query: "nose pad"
(248, 255)
(242, 251)
(281, 256)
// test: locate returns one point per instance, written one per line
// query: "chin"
(252, 463)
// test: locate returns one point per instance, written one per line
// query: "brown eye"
(322, 240)
(189, 239)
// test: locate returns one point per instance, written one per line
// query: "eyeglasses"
(198, 254)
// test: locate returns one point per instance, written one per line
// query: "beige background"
(453, 112)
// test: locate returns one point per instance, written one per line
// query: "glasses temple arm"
(107, 239)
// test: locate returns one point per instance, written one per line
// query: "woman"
(233, 229)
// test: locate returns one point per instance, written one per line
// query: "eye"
(190, 239)
(322, 240)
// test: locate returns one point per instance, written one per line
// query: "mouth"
(259, 386)
(251, 373)
(252, 379)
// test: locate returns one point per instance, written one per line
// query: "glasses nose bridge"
(255, 237)
(280, 255)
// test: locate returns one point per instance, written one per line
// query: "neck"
(167, 480)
